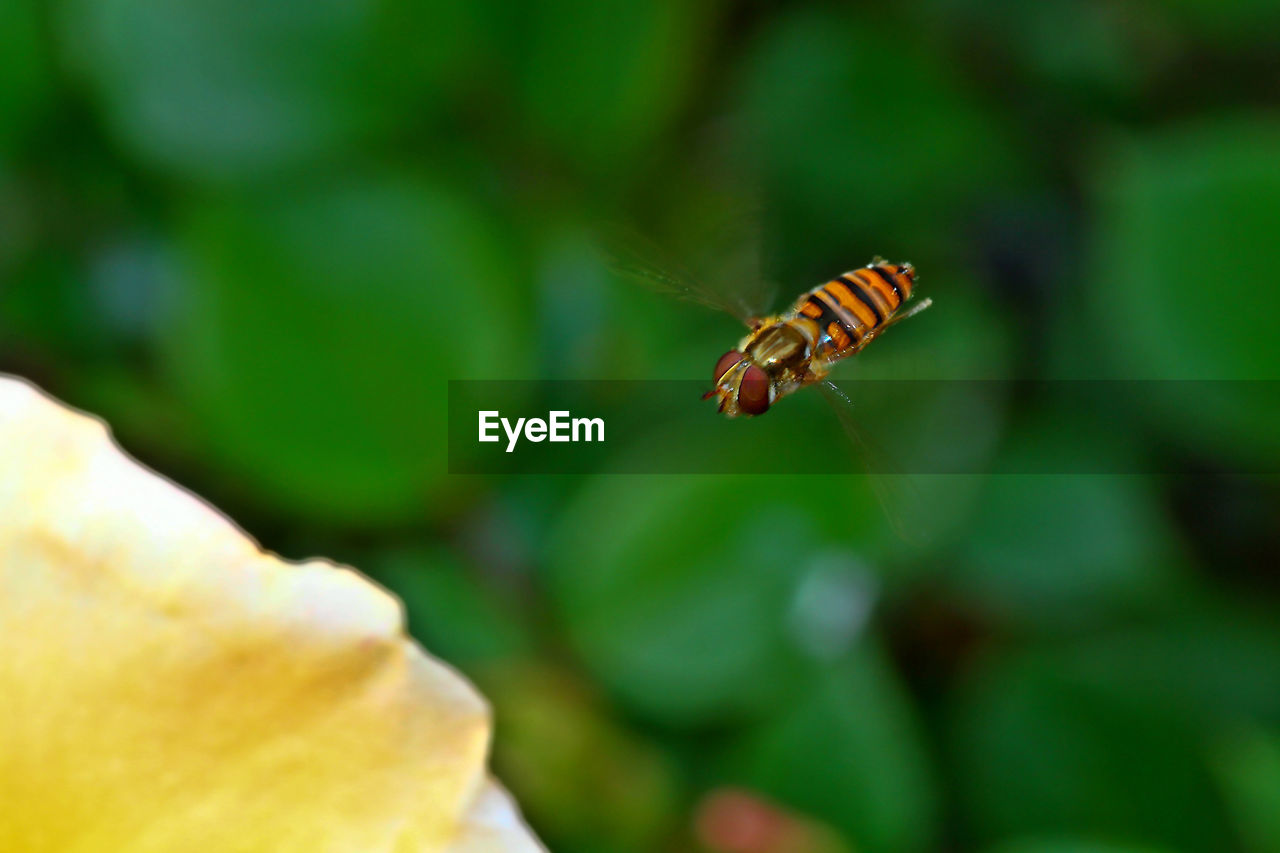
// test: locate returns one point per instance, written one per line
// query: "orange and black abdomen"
(852, 306)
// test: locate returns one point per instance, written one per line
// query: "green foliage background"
(259, 237)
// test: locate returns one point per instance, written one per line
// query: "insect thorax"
(780, 350)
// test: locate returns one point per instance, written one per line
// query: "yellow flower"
(165, 685)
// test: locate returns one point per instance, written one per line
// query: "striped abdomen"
(851, 307)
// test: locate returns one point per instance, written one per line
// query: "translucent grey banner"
(886, 427)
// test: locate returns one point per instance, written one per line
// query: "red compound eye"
(753, 392)
(726, 361)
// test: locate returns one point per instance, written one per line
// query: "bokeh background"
(259, 238)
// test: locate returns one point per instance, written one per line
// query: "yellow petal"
(167, 686)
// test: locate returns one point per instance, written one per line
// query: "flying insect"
(782, 353)
(833, 321)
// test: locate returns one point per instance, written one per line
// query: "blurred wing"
(634, 257)
(731, 246)
(904, 505)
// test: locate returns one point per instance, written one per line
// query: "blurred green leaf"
(1234, 22)
(601, 79)
(848, 750)
(1091, 51)
(1041, 755)
(1248, 769)
(317, 330)
(1068, 845)
(1186, 231)
(584, 781)
(681, 592)
(451, 610)
(45, 309)
(864, 130)
(1108, 736)
(234, 88)
(26, 79)
(1052, 550)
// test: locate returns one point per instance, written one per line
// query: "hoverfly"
(782, 353)
(785, 352)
